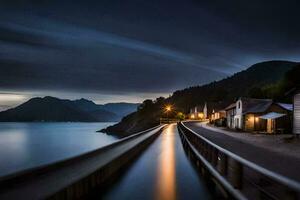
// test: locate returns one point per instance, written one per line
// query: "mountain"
(85, 104)
(61, 110)
(240, 84)
(118, 109)
(121, 109)
(217, 93)
(45, 109)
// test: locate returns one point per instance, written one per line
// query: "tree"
(256, 92)
(180, 116)
(146, 104)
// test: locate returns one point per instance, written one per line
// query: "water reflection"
(26, 145)
(166, 171)
(162, 172)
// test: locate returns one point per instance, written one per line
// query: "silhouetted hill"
(218, 93)
(121, 109)
(45, 109)
(85, 104)
(239, 84)
(60, 110)
(118, 109)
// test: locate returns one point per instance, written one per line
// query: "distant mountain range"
(269, 79)
(52, 109)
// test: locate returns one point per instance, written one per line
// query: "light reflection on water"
(166, 171)
(162, 172)
(26, 145)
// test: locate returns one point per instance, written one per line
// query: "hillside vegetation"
(270, 79)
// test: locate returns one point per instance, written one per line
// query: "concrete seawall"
(75, 177)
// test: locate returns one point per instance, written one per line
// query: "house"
(205, 111)
(296, 113)
(198, 112)
(230, 113)
(218, 118)
(261, 115)
(276, 119)
(218, 115)
(248, 108)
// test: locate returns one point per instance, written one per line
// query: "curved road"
(285, 165)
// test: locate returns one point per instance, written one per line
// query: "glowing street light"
(168, 108)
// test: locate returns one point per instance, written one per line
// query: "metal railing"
(76, 176)
(168, 120)
(44, 168)
(240, 178)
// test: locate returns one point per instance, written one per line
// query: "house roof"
(272, 115)
(211, 106)
(231, 106)
(286, 106)
(255, 105)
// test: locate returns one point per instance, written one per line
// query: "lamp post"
(168, 108)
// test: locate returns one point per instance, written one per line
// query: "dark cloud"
(139, 46)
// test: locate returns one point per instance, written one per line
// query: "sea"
(28, 145)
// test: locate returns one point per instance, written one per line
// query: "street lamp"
(168, 108)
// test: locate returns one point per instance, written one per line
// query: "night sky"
(117, 50)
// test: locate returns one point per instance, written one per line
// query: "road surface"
(285, 165)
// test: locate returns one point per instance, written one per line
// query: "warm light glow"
(200, 115)
(168, 108)
(192, 116)
(166, 176)
(256, 119)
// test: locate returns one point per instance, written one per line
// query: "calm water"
(26, 145)
(162, 172)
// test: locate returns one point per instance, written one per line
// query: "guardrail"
(168, 120)
(74, 177)
(240, 178)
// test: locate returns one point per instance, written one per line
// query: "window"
(239, 105)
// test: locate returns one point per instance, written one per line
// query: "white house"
(205, 111)
(238, 118)
(230, 113)
(245, 106)
(263, 115)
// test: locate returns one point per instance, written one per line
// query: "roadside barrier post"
(222, 163)
(237, 174)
